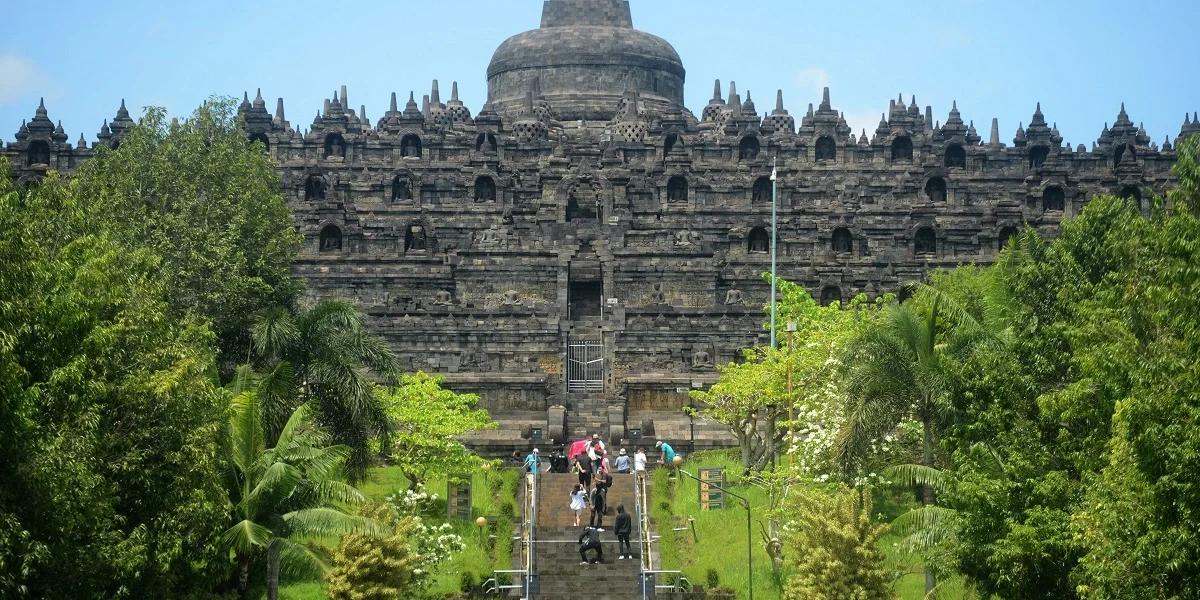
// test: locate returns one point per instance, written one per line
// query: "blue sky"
(996, 58)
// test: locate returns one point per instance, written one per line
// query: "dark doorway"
(585, 299)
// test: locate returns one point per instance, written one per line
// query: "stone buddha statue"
(701, 360)
(444, 298)
(511, 298)
(733, 298)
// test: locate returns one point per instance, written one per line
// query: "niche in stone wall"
(331, 239)
(831, 294)
(1007, 234)
(335, 146)
(415, 238)
(260, 138)
(38, 153)
(669, 143)
(956, 157)
(902, 149)
(583, 203)
(485, 189)
(762, 190)
(401, 189)
(926, 241)
(935, 189)
(826, 148)
(1038, 156)
(677, 189)
(1132, 194)
(748, 149)
(410, 146)
(843, 241)
(1119, 153)
(1053, 198)
(759, 241)
(314, 188)
(484, 142)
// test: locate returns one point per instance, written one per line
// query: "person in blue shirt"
(668, 453)
(533, 462)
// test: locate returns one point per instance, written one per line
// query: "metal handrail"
(641, 506)
(528, 541)
(680, 584)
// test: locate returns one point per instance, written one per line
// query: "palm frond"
(299, 561)
(911, 474)
(278, 396)
(330, 521)
(300, 418)
(937, 518)
(274, 332)
(245, 536)
(245, 430)
(274, 485)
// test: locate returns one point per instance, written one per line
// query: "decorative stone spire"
(362, 113)
(411, 110)
(717, 99)
(825, 104)
(279, 115)
(435, 96)
(23, 132)
(82, 143)
(41, 109)
(994, 138)
(243, 107)
(748, 107)
(1019, 139)
(733, 97)
(862, 140)
(454, 93)
(59, 135)
(259, 103)
(779, 109)
(345, 99)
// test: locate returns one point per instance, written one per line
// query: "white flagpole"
(774, 236)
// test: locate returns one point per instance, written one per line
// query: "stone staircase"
(560, 575)
(587, 414)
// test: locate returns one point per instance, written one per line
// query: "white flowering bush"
(431, 544)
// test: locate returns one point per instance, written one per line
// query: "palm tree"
(281, 493)
(899, 368)
(325, 357)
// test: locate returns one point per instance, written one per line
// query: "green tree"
(835, 546)
(209, 204)
(109, 422)
(325, 357)
(282, 494)
(752, 397)
(428, 422)
(901, 368)
(369, 567)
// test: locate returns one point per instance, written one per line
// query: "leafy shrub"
(712, 579)
(467, 582)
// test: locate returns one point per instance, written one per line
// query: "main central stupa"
(582, 59)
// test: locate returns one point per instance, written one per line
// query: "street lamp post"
(749, 530)
(774, 236)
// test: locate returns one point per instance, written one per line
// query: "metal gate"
(585, 366)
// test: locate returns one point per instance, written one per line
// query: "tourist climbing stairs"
(559, 574)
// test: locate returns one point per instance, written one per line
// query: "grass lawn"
(383, 481)
(720, 542)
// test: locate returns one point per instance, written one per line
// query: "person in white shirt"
(639, 461)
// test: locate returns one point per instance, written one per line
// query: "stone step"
(557, 552)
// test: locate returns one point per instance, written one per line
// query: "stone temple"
(583, 250)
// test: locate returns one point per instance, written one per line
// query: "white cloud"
(19, 77)
(815, 79)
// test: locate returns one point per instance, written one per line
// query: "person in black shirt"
(590, 540)
(598, 506)
(584, 464)
(623, 528)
